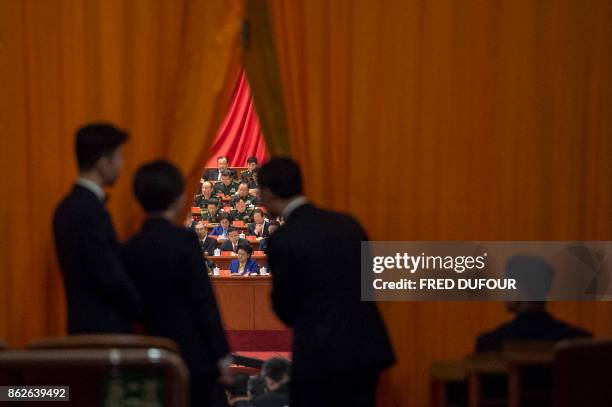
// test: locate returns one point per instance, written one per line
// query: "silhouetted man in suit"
(166, 264)
(317, 292)
(100, 296)
(276, 373)
(532, 322)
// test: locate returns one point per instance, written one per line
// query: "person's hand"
(257, 229)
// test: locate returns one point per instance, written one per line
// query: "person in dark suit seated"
(276, 373)
(532, 322)
(236, 392)
(215, 174)
(244, 264)
(221, 230)
(260, 225)
(207, 243)
(211, 215)
(100, 296)
(166, 264)
(206, 195)
(243, 192)
(233, 241)
(247, 175)
(241, 212)
(317, 292)
(227, 187)
(272, 227)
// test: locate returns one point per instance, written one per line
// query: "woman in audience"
(221, 231)
(244, 264)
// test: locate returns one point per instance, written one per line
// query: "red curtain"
(239, 136)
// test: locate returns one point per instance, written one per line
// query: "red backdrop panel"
(239, 136)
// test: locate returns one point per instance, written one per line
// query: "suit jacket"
(213, 175)
(276, 398)
(166, 264)
(217, 231)
(251, 229)
(101, 297)
(208, 245)
(250, 267)
(317, 292)
(228, 247)
(528, 326)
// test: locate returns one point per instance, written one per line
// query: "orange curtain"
(163, 70)
(450, 119)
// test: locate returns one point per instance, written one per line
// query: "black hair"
(244, 182)
(282, 176)
(276, 368)
(259, 211)
(246, 247)
(231, 229)
(157, 185)
(226, 173)
(212, 202)
(225, 215)
(252, 160)
(238, 387)
(96, 140)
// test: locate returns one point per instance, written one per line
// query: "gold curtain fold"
(156, 68)
(474, 120)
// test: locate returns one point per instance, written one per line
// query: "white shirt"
(93, 187)
(293, 205)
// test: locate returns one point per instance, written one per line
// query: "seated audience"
(531, 322)
(272, 227)
(211, 214)
(207, 243)
(166, 264)
(244, 264)
(215, 173)
(206, 195)
(237, 394)
(227, 186)
(243, 192)
(276, 372)
(234, 240)
(222, 229)
(260, 225)
(241, 212)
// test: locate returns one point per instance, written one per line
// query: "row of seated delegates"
(229, 236)
(249, 175)
(268, 389)
(232, 191)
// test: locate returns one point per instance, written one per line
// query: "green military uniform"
(246, 216)
(206, 216)
(246, 176)
(201, 201)
(230, 189)
(250, 201)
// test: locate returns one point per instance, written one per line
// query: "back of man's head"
(282, 176)
(276, 370)
(157, 185)
(96, 140)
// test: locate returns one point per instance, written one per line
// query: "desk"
(226, 258)
(245, 303)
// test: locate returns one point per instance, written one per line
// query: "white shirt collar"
(93, 187)
(293, 205)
